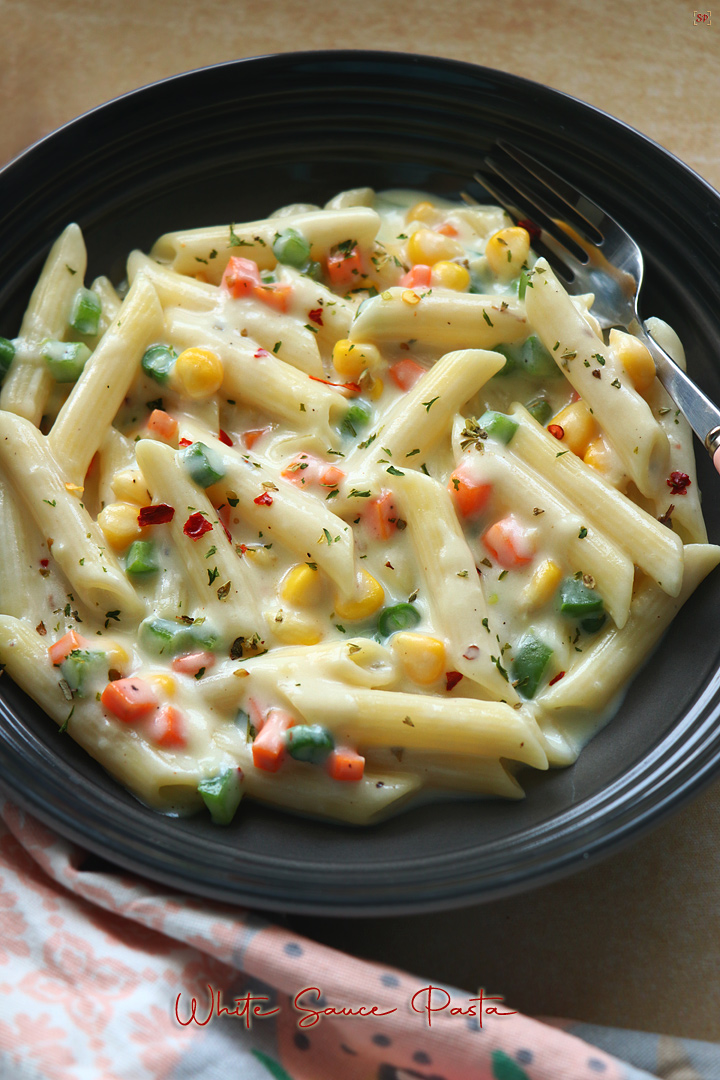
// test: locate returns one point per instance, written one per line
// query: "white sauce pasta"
(336, 510)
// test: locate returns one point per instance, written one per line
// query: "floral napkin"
(105, 976)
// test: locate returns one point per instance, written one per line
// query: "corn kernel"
(450, 275)
(428, 247)
(635, 358)
(542, 584)
(578, 425)
(128, 485)
(301, 586)
(598, 455)
(371, 596)
(350, 358)
(165, 683)
(119, 523)
(293, 629)
(422, 657)
(260, 556)
(506, 252)
(117, 656)
(198, 372)
(376, 389)
(424, 211)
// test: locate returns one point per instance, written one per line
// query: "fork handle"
(700, 412)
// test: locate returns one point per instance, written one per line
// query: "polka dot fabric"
(106, 976)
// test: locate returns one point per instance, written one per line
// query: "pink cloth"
(98, 972)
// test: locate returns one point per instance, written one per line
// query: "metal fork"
(593, 253)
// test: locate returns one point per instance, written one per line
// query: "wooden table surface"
(635, 940)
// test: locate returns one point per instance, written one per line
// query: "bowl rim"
(674, 786)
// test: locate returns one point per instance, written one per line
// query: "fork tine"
(553, 243)
(542, 211)
(589, 216)
(557, 255)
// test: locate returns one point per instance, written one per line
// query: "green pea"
(309, 742)
(398, 617)
(291, 248)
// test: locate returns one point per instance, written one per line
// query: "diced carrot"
(193, 663)
(167, 727)
(419, 275)
(162, 424)
(469, 494)
(129, 699)
(381, 515)
(306, 470)
(302, 470)
(241, 276)
(509, 543)
(275, 296)
(345, 764)
(249, 438)
(268, 749)
(345, 267)
(62, 648)
(331, 476)
(406, 373)
(447, 229)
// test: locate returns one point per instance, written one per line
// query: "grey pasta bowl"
(231, 143)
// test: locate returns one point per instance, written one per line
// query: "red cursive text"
(429, 1000)
(313, 1016)
(246, 1008)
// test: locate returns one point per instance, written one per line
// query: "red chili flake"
(196, 526)
(264, 500)
(355, 387)
(452, 678)
(224, 437)
(44, 562)
(242, 548)
(556, 430)
(472, 652)
(226, 532)
(530, 227)
(316, 315)
(185, 442)
(678, 482)
(557, 678)
(156, 515)
(260, 353)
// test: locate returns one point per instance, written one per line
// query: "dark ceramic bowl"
(231, 143)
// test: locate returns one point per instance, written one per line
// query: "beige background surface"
(635, 940)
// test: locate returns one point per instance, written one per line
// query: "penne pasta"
(277, 526)
(619, 409)
(28, 383)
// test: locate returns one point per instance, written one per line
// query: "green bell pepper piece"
(204, 465)
(85, 312)
(65, 359)
(532, 657)
(222, 794)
